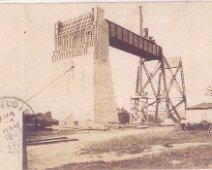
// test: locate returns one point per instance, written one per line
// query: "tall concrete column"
(104, 98)
(90, 95)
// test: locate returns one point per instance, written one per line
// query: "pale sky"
(27, 43)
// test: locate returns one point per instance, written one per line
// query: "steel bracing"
(157, 89)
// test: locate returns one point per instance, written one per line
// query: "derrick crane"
(155, 91)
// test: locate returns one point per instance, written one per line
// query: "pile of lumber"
(49, 141)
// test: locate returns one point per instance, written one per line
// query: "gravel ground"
(124, 149)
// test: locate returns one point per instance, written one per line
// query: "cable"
(39, 91)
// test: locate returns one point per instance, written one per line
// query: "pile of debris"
(39, 121)
(203, 125)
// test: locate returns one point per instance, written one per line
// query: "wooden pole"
(165, 85)
(141, 60)
(183, 85)
(158, 99)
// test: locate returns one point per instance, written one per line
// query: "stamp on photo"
(12, 110)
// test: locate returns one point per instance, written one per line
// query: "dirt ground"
(154, 147)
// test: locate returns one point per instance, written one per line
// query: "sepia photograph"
(106, 86)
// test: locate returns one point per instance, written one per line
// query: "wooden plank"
(50, 141)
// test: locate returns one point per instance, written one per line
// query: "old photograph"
(106, 86)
